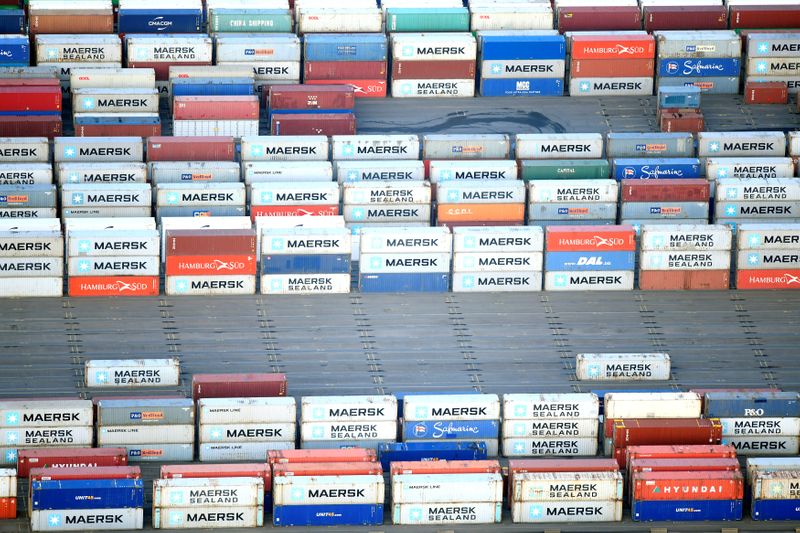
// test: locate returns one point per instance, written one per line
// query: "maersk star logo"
(497, 68)
(753, 259)
(54, 520)
(348, 150)
(536, 512)
(519, 429)
(297, 493)
(761, 67)
(52, 53)
(318, 413)
(730, 210)
(722, 173)
(257, 151)
(88, 103)
(101, 377)
(69, 152)
(713, 147)
(415, 515)
(655, 260)
(12, 437)
(276, 284)
(754, 240)
(560, 280)
(359, 213)
(469, 282)
(421, 412)
(11, 456)
(175, 517)
(763, 48)
(216, 433)
(408, 51)
(73, 178)
(519, 448)
(172, 198)
(77, 198)
(584, 87)
(12, 418)
(469, 262)
(176, 497)
(594, 371)
(452, 196)
(469, 242)
(445, 175)
(278, 243)
(84, 266)
(520, 410)
(352, 175)
(733, 192)
(266, 197)
(777, 489)
(406, 89)
(181, 285)
(376, 262)
(317, 432)
(658, 241)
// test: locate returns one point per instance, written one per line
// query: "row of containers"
(412, 64)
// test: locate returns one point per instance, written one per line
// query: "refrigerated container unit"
(773, 488)
(768, 240)
(26, 174)
(160, 51)
(25, 150)
(199, 199)
(772, 58)
(32, 263)
(289, 198)
(336, 421)
(599, 68)
(356, 59)
(92, 200)
(433, 64)
(192, 503)
(480, 203)
(742, 200)
(568, 201)
(519, 16)
(129, 373)
(273, 58)
(28, 201)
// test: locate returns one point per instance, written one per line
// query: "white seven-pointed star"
(88, 104)
(216, 434)
(77, 198)
(519, 447)
(469, 281)
(84, 266)
(69, 151)
(754, 240)
(182, 285)
(172, 198)
(416, 514)
(12, 418)
(723, 173)
(102, 377)
(761, 66)
(348, 149)
(84, 246)
(12, 437)
(497, 69)
(52, 53)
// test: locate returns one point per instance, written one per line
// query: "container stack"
(595, 258)
(773, 483)
(190, 160)
(285, 158)
(588, 202)
(561, 156)
(150, 430)
(312, 110)
(8, 493)
(685, 257)
(757, 423)
(514, 64)
(453, 418)
(679, 109)
(213, 115)
(447, 490)
(614, 64)
(771, 67)
(336, 421)
(199, 199)
(480, 203)
(398, 259)
(709, 60)
(550, 424)
(160, 51)
(356, 59)
(775, 241)
(258, 472)
(664, 201)
(31, 100)
(305, 260)
(209, 261)
(293, 198)
(273, 58)
(31, 263)
(770, 200)
(244, 429)
(194, 503)
(426, 65)
(386, 203)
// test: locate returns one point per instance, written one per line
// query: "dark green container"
(564, 169)
(410, 19)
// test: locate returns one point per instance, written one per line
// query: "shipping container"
(258, 470)
(747, 144)
(24, 150)
(559, 146)
(672, 280)
(637, 145)
(561, 510)
(81, 494)
(200, 493)
(700, 485)
(621, 366)
(579, 281)
(404, 282)
(348, 408)
(645, 431)
(752, 404)
(194, 149)
(192, 518)
(328, 490)
(328, 515)
(238, 385)
(642, 169)
(612, 17)
(435, 513)
(241, 19)
(405, 240)
(133, 373)
(239, 451)
(83, 519)
(686, 510)
(466, 146)
(566, 486)
(353, 454)
(86, 472)
(684, 17)
(113, 286)
(764, 16)
(446, 488)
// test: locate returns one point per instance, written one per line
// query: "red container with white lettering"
(680, 451)
(215, 108)
(585, 18)
(788, 279)
(69, 458)
(326, 469)
(210, 265)
(687, 485)
(362, 88)
(113, 286)
(303, 97)
(8, 508)
(766, 92)
(293, 211)
(445, 467)
(191, 149)
(582, 238)
(238, 385)
(261, 470)
(631, 46)
(322, 456)
(313, 124)
(678, 190)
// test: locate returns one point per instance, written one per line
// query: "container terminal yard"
(520, 265)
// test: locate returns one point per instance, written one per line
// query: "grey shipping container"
(664, 210)
(572, 211)
(42, 195)
(466, 146)
(130, 172)
(649, 145)
(24, 149)
(145, 412)
(194, 171)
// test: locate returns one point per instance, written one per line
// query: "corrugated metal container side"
(761, 445)
(635, 145)
(674, 168)
(303, 97)
(159, 452)
(559, 146)
(569, 486)
(236, 492)
(143, 21)
(126, 434)
(702, 485)
(31, 126)
(345, 408)
(435, 513)
(259, 470)
(538, 406)
(684, 17)
(585, 18)
(686, 510)
(246, 410)
(446, 488)
(25, 150)
(238, 385)
(134, 372)
(554, 511)
(86, 494)
(328, 490)
(449, 456)
(760, 426)
(399, 282)
(755, 404)
(775, 510)
(466, 146)
(86, 472)
(77, 520)
(238, 451)
(522, 87)
(345, 47)
(241, 19)
(190, 518)
(143, 411)
(354, 454)
(672, 280)
(327, 515)
(414, 19)
(327, 469)
(564, 169)
(194, 149)
(768, 16)
(313, 124)
(622, 366)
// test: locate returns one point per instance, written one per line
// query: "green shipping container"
(566, 169)
(250, 21)
(409, 19)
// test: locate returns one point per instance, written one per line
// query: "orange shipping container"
(590, 238)
(480, 212)
(768, 279)
(613, 46)
(322, 456)
(689, 485)
(8, 508)
(201, 265)
(612, 68)
(113, 286)
(691, 280)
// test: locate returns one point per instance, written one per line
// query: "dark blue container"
(87, 494)
(12, 21)
(306, 264)
(327, 515)
(212, 87)
(401, 396)
(391, 452)
(686, 510)
(451, 429)
(699, 67)
(160, 21)
(15, 51)
(589, 261)
(776, 510)
(423, 282)
(642, 169)
(82, 120)
(522, 87)
(511, 47)
(345, 47)
(684, 97)
(752, 404)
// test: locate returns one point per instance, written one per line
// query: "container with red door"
(311, 109)
(614, 64)
(8, 493)
(647, 431)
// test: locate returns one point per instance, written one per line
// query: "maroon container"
(29, 82)
(683, 122)
(344, 70)
(680, 451)
(238, 385)
(612, 68)
(647, 431)
(69, 458)
(313, 124)
(310, 97)
(91, 472)
(766, 92)
(210, 242)
(677, 190)
(162, 69)
(87, 23)
(433, 70)
(261, 470)
(191, 149)
(23, 98)
(118, 130)
(599, 18)
(765, 16)
(684, 280)
(335, 455)
(30, 126)
(215, 108)
(685, 18)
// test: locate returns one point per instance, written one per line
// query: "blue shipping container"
(654, 169)
(421, 282)
(345, 47)
(212, 87)
(522, 87)
(160, 21)
(87, 494)
(757, 404)
(15, 51)
(776, 510)
(589, 261)
(327, 515)
(686, 510)
(401, 395)
(390, 452)
(12, 21)
(306, 264)
(451, 429)
(510, 47)
(699, 67)
(684, 97)
(82, 120)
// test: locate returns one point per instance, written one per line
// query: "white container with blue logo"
(95, 149)
(622, 366)
(406, 170)
(375, 147)
(353, 420)
(294, 171)
(110, 373)
(285, 148)
(741, 144)
(130, 172)
(87, 519)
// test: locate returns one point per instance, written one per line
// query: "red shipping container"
(238, 385)
(202, 265)
(191, 149)
(71, 24)
(304, 97)
(341, 455)
(361, 88)
(36, 126)
(118, 130)
(766, 92)
(326, 469)
(215, 108)
(677, 190)
(162, 69)
(768, 279)
(343, 70)
(686, 122)
(69, 458)
(589, 238)
(765, 16)
(22, 98)
(612, 68)
(206, 242)
(613, 46)
(680, 451)
(8, 508)
(727, 464)
(445, 467)
(313, 124)
(685, 18)
(113, 286)
(433, 70)
(646, 431)
(293, 211)
(459, 224)
(692, 485)
(599, 18)
(261, 470)
(30, 82)
(684, 280)
(91, 472)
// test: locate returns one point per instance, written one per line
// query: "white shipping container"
(609, 280)
(480, 192)
(794, 143)
(652, 405)
(386, 192)
(570, 406)
(305, 283)
(347, 431)
(348, 408)
(497, 261)
(568, 191)
(112, 78)
(550, 446)
(550, 428)
(95, 149)
(25, 173)
(781, 485)
(87, 519)
(375, 147)
(113, 243)
(129, 172)
(451, 407)
(31, 267)
(231, 70)
(566, 486)
(301, 241)
(511, 17)
(129, 435)
(194, 518)
(758, 465)
(200, 194)
(497, 281)
(400, 240)
(519, 68)
(291, 193)
(328, 490)
(78, 48)
(686, 237)
(698, 43)
(24, 150)
(246, 410)
(446, 488)
(768, 237)
(115, 101)
(209, 285)
(46, 413)
(188, 48)
(31, 243)
(768, 259)
(498, 239)
(438, 88)
(254, 48)
(622, 366)
(285, 148)
(759, 445)
(221, 452)
(559, 146)
(52, 287)
(251, 432)
(106, 195)
(685, 260)
(764, 189)
(741, 143)
(466, 146)
(467, 512)
(114, 266)
(772, 66)
(354, 171)
(43, 437)
(404, 262)
(208, 492)
(132, 372)
(105, 212)
(303, 221)
(572, 511)
(772, 426)
(294, 171)
(610, 86)
(340, 20)
(473, 170)
(433, 47)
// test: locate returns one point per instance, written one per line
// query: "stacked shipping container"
(333, 421)
(709, 60)
(31, 263)
(775, 241)
(356, 59)
(519, 64)
(771, 69)
(8, 493)
(614, 64)
(773, 487)
(433, 64)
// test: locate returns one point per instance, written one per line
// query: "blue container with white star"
(87, 494)
(699, 67)
(328, 515)
(516, 47)
(12, 21)
(391, 452)
(589, 261)
(639, 169)
(451, 429)
(160, 20)
(15, 51)
(305, 264)
(686, 510)
(522, 87)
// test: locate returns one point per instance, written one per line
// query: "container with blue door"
(519, 47)
(686, 510)
(522, 87)
(451, 429)
(328, 515)
(755, 404)
(212, 87)
(12, 21)
(390, 452)
(638, 169)
(345, 47)
(305, 264)
(404, 282)
(160, 20)
(589, 261)
(87, 494)
(15, 51)
(699, 67)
